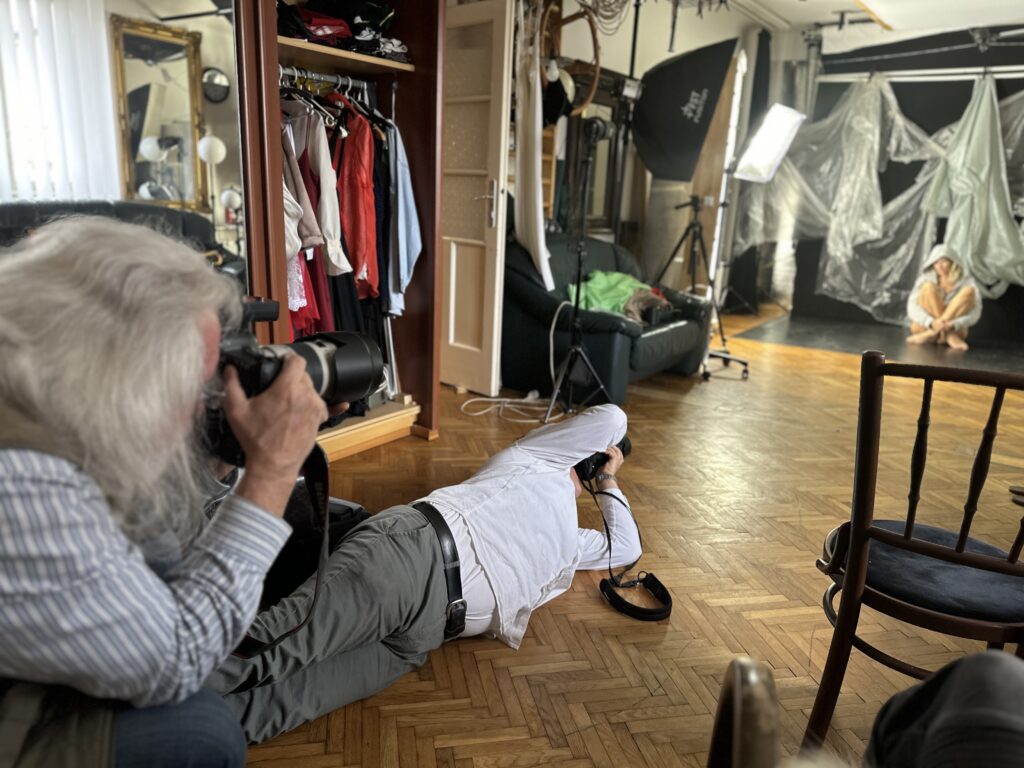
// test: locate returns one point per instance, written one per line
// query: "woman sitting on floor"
(945, 301)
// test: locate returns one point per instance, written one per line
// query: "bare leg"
(956, 341)
(921, 335)
(930, 300)
(959, 306)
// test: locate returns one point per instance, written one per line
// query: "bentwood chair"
(746, 731)
(930, 577)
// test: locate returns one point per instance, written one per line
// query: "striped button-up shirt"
(80, 606)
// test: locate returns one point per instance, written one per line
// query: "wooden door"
(477, 82)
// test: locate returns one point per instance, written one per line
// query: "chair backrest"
(194, 228)
(874, 370)
(600, 255)
(746, 730)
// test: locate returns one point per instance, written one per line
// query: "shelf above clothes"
(299, 53)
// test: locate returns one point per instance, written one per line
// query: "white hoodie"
(917, 314)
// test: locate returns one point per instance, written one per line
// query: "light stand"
(731, 290)
(576, 357)
(695, 232)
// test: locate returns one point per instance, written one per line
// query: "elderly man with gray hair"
(109, 336)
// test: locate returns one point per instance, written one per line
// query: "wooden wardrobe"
(420, 25)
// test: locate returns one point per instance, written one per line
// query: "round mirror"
(216, 85)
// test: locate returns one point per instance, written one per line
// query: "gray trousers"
(969, 714)
(381, 610)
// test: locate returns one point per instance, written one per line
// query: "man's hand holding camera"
(607, 474)
(276, 429)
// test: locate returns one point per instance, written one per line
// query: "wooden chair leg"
(997, 646)
(835, 670)
(1020, 651)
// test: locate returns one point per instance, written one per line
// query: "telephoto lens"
(343, 365)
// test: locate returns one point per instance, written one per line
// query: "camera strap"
(315, 471)
(648, 581)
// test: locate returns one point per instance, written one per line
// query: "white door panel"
(477, 83)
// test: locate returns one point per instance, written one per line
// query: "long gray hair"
(102, 356)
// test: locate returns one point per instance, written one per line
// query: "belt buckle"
(455, 605)
(456, 618)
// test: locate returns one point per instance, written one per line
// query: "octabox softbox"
(675, 109)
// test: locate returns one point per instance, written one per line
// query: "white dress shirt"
(516, 529)
(309, 135)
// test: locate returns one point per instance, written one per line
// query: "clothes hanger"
(304, 95)
(336, 110)
(352, 101)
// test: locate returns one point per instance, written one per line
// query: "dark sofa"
(621, 350)
(192, 228)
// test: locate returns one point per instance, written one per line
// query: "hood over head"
(939, 251)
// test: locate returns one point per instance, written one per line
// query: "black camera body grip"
(590, 466)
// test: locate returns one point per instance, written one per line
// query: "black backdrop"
(930, 105)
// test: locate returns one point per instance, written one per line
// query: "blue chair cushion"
(937, 585)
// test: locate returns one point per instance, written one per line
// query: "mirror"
(216, 85)
(157, 88)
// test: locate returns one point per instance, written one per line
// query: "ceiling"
(898, 14)
(916, 14)
(798, 13)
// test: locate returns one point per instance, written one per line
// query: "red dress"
(355, 196)
(316, 268)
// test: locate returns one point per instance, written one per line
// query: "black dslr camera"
(343, 365)
(590, 466)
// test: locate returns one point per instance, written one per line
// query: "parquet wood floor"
(735, 484)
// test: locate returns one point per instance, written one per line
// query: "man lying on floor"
(384, 596)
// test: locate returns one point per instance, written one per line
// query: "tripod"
(576, 363)
(695, 232)
(731, 291)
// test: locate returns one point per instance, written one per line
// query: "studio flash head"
(596, 129)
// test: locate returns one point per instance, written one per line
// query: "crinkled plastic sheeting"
(972, 190)
(1011, 119)
(828, 188)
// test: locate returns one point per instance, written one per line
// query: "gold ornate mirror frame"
(190, 41)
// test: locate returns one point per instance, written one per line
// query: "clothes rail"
(306, 74)
(1009, 72)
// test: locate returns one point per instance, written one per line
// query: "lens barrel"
(345, 366)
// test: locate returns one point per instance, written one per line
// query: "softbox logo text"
(693, 110)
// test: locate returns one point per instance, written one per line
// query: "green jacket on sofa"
(620, 349)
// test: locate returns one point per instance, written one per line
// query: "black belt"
(456, 611)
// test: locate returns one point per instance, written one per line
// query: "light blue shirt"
(406, 241)
(80, 606)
